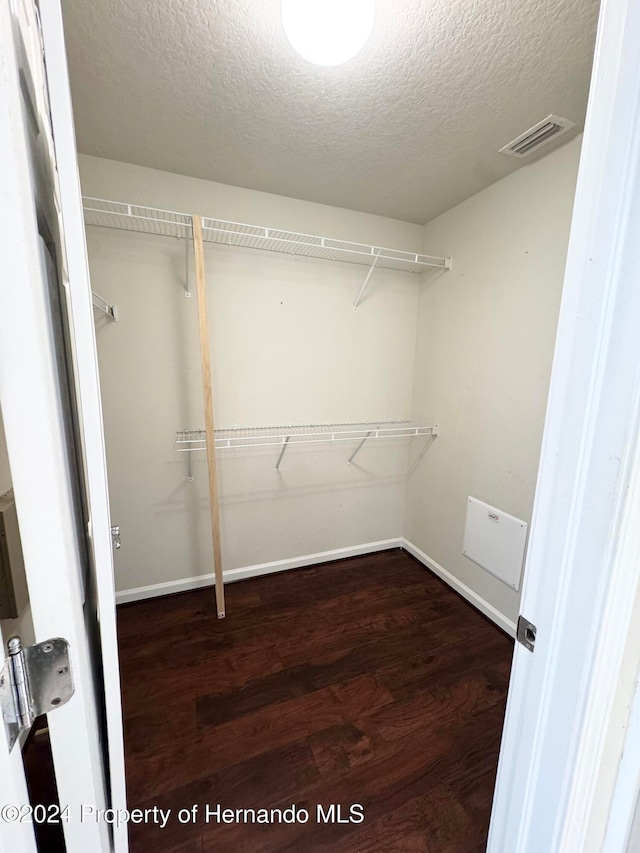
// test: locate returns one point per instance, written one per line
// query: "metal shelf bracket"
(366, 282)
(102, 305)
(284, 447)
(359, 447)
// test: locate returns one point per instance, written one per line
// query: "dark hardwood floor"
(365, 681)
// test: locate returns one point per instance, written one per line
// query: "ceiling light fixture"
(328, 32)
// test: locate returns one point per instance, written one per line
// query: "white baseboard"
(185, 584)
(231, 575)
(472, 597)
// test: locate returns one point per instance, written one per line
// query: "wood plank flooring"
(366, 681)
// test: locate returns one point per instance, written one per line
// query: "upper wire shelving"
(190, 440)
(150, 220)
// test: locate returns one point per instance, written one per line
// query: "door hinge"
(526, 633)
(33, 681)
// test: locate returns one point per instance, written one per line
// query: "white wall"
(486, 334)
(287, 349)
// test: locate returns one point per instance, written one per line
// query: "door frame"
(88, 757)
(88, 389)
(568, 704)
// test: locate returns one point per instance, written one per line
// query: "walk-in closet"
(377, 392)
(325, 299)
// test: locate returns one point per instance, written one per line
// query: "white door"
(49, 396)
(568, 704)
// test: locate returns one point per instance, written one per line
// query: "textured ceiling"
(407, 129)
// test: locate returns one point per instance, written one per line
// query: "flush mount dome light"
(328, 32)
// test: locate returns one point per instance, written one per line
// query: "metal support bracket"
(33, 681)
(366, 282)
(104, 306)
(284, 447)
(359, 447)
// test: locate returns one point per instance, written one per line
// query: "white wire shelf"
(190, 440)
(150, 220)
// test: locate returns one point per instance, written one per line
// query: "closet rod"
(207, 393)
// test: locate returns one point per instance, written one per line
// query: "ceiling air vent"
(541, 133)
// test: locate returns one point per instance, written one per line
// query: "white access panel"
(495, 541)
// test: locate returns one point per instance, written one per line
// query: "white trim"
(622, 817)
(466, 592)
(615, 666)
(88, 390)
(231, 575)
